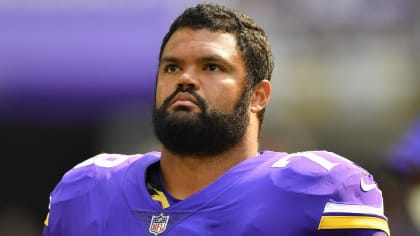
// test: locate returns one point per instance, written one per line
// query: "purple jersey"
(307, 193)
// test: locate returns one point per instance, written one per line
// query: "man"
(210, 179)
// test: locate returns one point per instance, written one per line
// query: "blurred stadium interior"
(77, 78)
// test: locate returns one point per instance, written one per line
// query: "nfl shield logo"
(158, 224)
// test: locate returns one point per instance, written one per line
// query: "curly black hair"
(251, 38)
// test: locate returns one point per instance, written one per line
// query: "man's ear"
(260, 96)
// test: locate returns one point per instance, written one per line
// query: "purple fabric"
(271, 194)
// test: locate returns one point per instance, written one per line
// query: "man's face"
(201, 103)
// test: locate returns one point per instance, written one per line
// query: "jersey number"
(104, 160)
(326, 164)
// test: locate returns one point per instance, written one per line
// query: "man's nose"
(188, 79)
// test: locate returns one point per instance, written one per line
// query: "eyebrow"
(169, 60)
(214, 58)
(217, 59)
(204, 59)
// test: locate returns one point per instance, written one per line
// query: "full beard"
(206, 133)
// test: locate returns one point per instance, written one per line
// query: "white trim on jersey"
(332, 207)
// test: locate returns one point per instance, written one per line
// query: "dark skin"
(211, 63)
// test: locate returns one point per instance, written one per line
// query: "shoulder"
(83, 195)
(349, 196)
(95, 171)
(325, 173)
(311, 172)
(318, 166)
(313, 161)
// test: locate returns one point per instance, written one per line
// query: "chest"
(249, 211)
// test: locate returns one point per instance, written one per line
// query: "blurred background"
(77, 79)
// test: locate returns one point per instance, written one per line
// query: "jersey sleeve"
(353, 203)
(76, 199)
(357, 202)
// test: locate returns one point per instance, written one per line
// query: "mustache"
(200, 101)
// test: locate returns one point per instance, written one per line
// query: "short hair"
(251, 38)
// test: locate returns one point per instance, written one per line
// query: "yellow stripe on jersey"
(160, 196)
(46, 219)
(354, 222)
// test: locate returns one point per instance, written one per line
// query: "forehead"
(190, 41)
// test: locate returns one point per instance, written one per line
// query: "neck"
(186, 175)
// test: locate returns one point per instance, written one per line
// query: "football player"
(209, 178)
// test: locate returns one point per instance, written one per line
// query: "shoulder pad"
(329, 172)
(353, 198)
(311, 162)
(80, 179)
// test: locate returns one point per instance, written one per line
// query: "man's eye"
(172, 68)
(213, 67)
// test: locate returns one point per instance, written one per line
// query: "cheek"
(224, 96)
(159, 95)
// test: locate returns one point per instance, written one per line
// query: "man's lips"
(184, 99)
